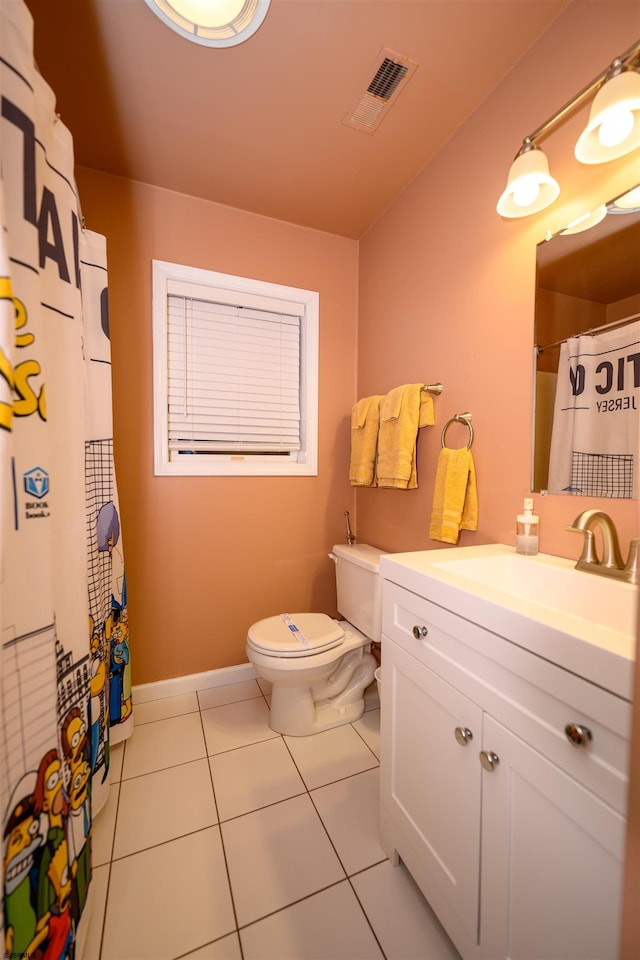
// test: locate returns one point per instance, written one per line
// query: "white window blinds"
(233, 377)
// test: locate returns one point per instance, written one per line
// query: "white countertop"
(583, 622)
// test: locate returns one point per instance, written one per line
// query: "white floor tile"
(329, 924)
(276, 856)
(163, 709)
(403, 921)
(368, 726)
(330, 755)
(168, 900)
(103, 828)
(253, 777)
(236, 725)
(116, 757)
(228, 948)
(96, 905)
(349, 811)
(163, 743)
(229, 693)
(164, 805)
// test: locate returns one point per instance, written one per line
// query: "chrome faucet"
(612, 564)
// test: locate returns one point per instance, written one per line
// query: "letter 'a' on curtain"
(65, 688)
(594, 441)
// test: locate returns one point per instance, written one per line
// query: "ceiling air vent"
(388, 76)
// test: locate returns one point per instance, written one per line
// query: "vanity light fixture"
(629, 201)
(212, 23)
(613, 130)
(586, 221)
(530, 186)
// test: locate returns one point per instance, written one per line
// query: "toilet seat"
(295, 635)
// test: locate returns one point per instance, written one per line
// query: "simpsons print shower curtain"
(65, 692)
(596, 420)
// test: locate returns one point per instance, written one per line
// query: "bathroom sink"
(551, 582)
(584, 622)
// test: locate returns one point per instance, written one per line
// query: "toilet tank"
(359, 587)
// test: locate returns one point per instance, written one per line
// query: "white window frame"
(262, 295)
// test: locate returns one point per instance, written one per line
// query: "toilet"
(319, 668)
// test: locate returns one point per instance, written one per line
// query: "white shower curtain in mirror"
(64, 650)
(594, 443)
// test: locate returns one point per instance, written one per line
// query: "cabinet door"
(431, 787)
(552, 856)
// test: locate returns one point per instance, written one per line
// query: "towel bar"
(433, 388)
(461, 418)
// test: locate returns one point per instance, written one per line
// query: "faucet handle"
(589, 553)
(632, 566)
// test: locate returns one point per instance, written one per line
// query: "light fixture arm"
(624, 61)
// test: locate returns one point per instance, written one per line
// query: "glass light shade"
(586, 221)
(613, 129)
(212, 23)
(629, 200)
(530, 187)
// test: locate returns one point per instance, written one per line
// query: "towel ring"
(461, 418)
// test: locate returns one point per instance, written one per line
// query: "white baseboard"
(161, 689)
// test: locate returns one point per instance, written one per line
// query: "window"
(235, 375)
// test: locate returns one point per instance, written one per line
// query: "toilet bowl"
(318, 667)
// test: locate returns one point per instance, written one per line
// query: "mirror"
(588, 282)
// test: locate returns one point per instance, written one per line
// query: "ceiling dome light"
(613, 129)
(530, 187)
(212, 23)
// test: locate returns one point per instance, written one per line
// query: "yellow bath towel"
(365, 419)
(455, 498)
(402, 412)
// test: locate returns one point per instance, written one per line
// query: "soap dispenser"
(527, 530)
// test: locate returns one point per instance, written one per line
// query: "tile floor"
(223, 840)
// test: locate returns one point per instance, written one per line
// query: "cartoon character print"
(75, 746)
(98, 699)
(21, 841)
(116, 629)
(119, 704)
(47, 849)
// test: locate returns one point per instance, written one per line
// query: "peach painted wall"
(447, 293)
(208, 556)
(447, 289)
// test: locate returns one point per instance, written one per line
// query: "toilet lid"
(295, 635)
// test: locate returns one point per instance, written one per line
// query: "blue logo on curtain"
(36, 483)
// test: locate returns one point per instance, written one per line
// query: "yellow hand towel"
(365, 418)
(455, 498)
(402, 412)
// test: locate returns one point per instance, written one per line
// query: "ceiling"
(259, 126)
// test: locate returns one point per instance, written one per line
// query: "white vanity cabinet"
(514, 835)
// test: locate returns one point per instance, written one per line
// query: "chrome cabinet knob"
(578, 735)
(489, 760)
(463, 735)
(420, 632)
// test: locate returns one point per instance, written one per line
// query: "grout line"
(360, 904)
(164, 843)
(171, 766)
(110, 860)
(224, 852)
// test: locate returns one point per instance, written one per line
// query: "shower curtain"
(65, 691)
(594, 442)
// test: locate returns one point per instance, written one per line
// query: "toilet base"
(300, 712)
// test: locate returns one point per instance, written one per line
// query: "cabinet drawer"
(532, 697)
